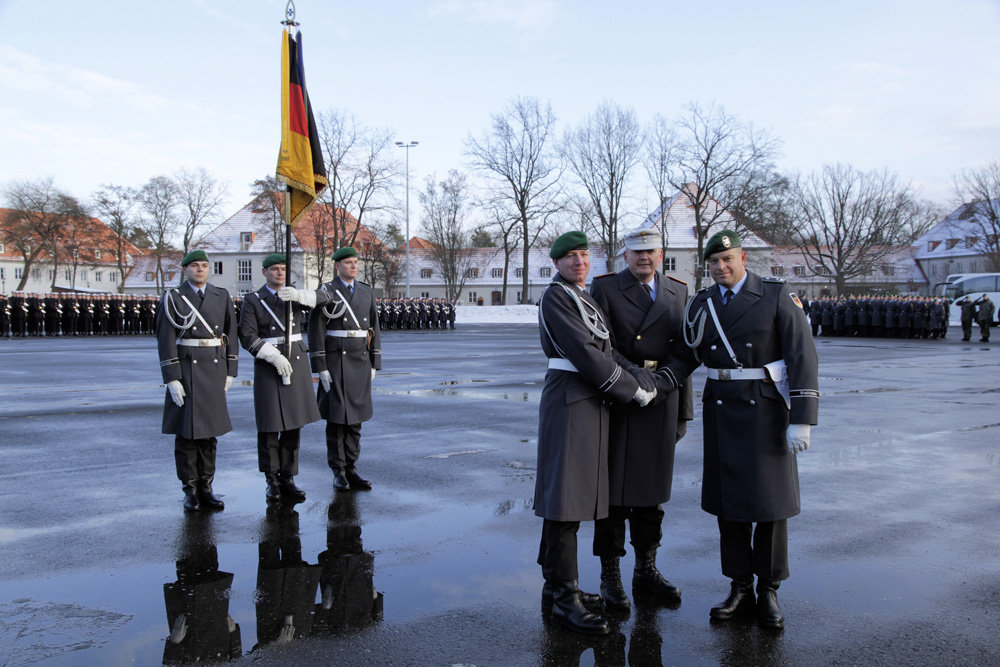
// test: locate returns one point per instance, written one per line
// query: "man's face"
(728, 266)
(643, 263)
(197, 273)
(347, 268)
(574, 266)
(275, 276)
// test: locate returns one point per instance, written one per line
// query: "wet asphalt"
(894, 559)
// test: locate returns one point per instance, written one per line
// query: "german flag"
(300, 162)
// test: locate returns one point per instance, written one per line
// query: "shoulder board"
(772, 279)
(605, 275)
(676, 280)
(361, 282)
(705, 289)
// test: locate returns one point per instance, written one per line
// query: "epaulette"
(605, 275)
(772, 279)
(705, 289)
(362, 282)
(677, 280)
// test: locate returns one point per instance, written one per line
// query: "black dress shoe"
(740, 602)
(273, 489)
(769, 614)
(340, 482)
(209, 498)
(191, 503)
(289, 490)
(358, 483)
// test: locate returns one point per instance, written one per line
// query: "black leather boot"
(646, 579)
(206, 496)
(740, 602)
(588, 599)
(568, 611)
(191, 503)
(769, 613)
(273, 489)
(612, 590)
(289, 490)
(358, 483)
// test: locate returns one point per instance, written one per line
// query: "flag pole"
(289, 24)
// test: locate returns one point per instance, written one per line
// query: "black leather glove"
(644, 376)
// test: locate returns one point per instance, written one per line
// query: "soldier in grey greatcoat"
(196, 341)
(644, 311)
(282, 383)
(345, 349)
(572, 479)
(760, 399)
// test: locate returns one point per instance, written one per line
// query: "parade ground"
(894, 558)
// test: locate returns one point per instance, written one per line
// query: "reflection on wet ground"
(101, 566)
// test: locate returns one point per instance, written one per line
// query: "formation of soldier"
(416, 313)
(879, 316)
(72, 314)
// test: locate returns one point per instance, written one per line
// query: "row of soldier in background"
(73, 314)
(878, 316)
(420, 313)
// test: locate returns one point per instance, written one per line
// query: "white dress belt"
(199, 342)
(347, 333)
(562, 365)
(281, 339)
(729, 374)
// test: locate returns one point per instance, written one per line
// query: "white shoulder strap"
(722, 334)
(268, 308)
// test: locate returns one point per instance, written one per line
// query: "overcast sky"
(118, 92)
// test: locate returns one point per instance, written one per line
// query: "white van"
(973, 285)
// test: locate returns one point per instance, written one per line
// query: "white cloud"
(530, 17)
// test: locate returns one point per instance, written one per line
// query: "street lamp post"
(408, 145)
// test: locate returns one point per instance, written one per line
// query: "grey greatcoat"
(278, 407)
(201, 370)
(642, 439)
(749, 473)
(572, 479)
(349, 360)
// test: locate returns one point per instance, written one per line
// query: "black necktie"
(727, 297)
(201, 297)
(649, 291)
(351, 287)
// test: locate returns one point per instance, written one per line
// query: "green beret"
(566, 242)
(344, 253)
(194, 256)
(274, 258)
(722, 241)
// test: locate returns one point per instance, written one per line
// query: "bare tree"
(852, 221)
(76, 232)
(522, 165)
(979, 190)
(446, 207)
(38, 211)
(158, 200)
(716, 161)
(601, 153)
(77, 237)
(268, 210)
(380, 258)
(115, 206)
(199, 197)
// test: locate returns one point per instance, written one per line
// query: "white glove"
(798, 437)
(176, 390)
(229, 382)
(373, 374)
(305, 297)
(270, 354)
(325, 379)
(643, 397)
(287, 633)
(179, 631)
(327, 598)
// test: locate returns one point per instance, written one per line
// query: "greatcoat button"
(194, 361)
(638, 337)
(749, 344)
(753, 402)
(712, 348)
(718, 402)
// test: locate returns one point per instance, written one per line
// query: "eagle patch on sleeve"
(795, 298)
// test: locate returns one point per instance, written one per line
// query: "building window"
(244, 270)
(472, 298)
(545, 272)
(216, 268)
(97, 253)
(498, 273)
(669, 264)
(777, 271)
(425, 295)
(52, 274)
(18, 273)
(472, 273)
(426, 273)
(246, 240)
(83, 275)
(519, 298)
(67, 274)
(951, 243)
(518, 272)
(971, 241)
(799, 271)
(888, 270)
(706, 272)
(36, 274)
(1, 247)
(150, 276)
(931, 245)
(3, 274)
(98, 276)
(113, 277)
(973, 266)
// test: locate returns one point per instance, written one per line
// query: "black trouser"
(278, 452)
(195, 459)
(343, 445)
(747, 551)
(984, 330)
(644, 527)
(557, 550)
